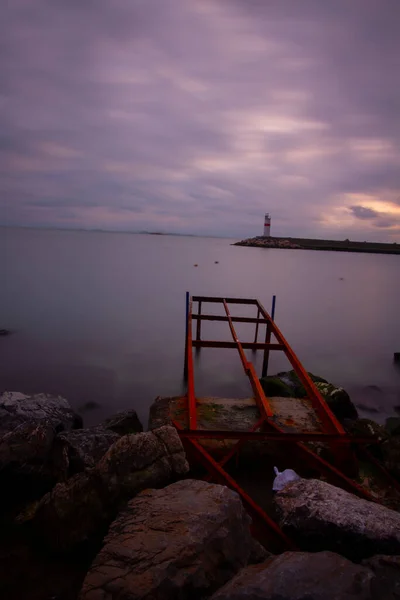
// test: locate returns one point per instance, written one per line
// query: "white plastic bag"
(282, 479)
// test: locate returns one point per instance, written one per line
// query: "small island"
(312, 244)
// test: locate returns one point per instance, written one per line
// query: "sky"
(198, 116)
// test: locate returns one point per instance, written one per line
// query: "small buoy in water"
(216, 262)
(396, 357)
(196, 265)
(341, 278)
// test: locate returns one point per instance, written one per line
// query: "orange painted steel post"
(185, 369)
(266, 352)
(256, 333)
(268, 339)
(190, 388)
(198, 328)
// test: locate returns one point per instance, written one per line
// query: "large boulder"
(81, 507)
(320, 516)
(75, 451)
(287, 384)
(386, 583)
(183, 541)
(300, 576)
(26, 468)
(17, 408)
(124, 422)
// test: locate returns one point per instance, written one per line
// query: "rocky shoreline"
(114, 512)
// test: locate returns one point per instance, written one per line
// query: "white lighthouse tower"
(267, 225)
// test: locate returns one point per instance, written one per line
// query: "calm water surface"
(100, 317)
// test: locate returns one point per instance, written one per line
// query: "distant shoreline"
(290, 243)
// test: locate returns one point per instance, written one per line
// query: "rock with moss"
(288, 384)
(338, 401)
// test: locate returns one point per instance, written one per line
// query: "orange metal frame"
(340, 443)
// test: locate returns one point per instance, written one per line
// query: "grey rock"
(75, 451)
(160, 413)
(386, 583)
(184, 541)
(300, 576)
(320, 516)
(124, 422)
(82, 507)
(26, 469)
(17, 408)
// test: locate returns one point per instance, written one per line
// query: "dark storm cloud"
(200, 115)
(363, 213)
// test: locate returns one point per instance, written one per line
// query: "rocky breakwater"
(268, 242)
(124, 522)
(62, 485)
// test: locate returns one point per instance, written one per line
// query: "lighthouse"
(267, 225)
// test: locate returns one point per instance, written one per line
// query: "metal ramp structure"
(275, 423)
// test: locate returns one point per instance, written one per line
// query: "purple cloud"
(171, 115)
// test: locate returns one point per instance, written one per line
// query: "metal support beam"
(276, 436)
(198, 329)
(220, 300)
(268, 526)
(245, 345)
(200, 317)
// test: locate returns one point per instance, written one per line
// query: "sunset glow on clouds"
(198, 116)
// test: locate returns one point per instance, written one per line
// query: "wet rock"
(160, 412)
(287, 384)
(392, 425)
(183, 541)
(75, 451)
(338, 401)
(124, 422)
(367, 427)
(26, 468)
(82, 506)
(17, 408)
(386, 583)
(5, 332)
(320, 516)
(391, 455)
(300, 576)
